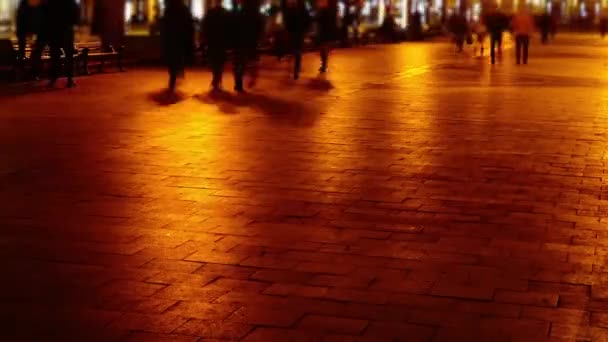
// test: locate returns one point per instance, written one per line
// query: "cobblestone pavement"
(411, 195)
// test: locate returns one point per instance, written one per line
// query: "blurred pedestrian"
(276, 31)
(215, 37)
(496, 24)
(177, 32)
(62, 16)
(604, 23)
(523, 27)
(247, 28)
(459, 27)
(297, 23)
(480, 34)
(326, 27)
(388, 29)
(28, 22)
(545, 23)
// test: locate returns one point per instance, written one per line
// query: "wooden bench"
(85, 55)
(97, 54)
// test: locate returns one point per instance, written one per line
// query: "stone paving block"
(214, 329)
(333, 324)
(557, 315)
(297, 290)
(284, 276)
(185, 292)
(266, 317)
(397, 331)
(173, 265)
(164, 324)
(152, 337)
(527, 298)
(202, 310)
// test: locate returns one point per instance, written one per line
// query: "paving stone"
(333, 324)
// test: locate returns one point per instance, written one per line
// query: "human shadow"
(166, 98)
(283, 111)
(320, 83)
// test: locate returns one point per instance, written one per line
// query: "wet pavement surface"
(409, 195)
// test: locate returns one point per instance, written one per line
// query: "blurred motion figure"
(215, 36)
(523, 27)
(297, 23)
(61, 17)
(177, 31)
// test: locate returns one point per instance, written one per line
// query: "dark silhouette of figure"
(177, 30)
(29, 19)
(459, 27)
(523, 27)
(247, 28)
(416, 26)
(215, 35)
(347, 21)
(297, 23)
(61, 16)
(603, 24)
(496, 24)
(388, 27)
(545, 24)
(327, 29)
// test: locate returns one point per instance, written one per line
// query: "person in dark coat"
(459, 28)
(545, 23)
(177, 31)
(496, 24)
(61, 17)
(215, 29)
(297, 23)
(248, 27)
(327, 28)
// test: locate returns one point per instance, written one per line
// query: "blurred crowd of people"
(494, 23)
(240, 31)
(52, 22)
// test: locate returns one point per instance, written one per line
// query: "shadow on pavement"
(166, 98)
(286, 111)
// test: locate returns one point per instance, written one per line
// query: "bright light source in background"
(404, 19)
(198, 10)
(227, 4)
(381, 11)
(128, 10)
(5, 9)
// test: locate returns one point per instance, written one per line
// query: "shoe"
(323, 69)
(71, 84)
(239, 89)
(51, 83)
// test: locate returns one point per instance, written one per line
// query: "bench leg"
(121, 51)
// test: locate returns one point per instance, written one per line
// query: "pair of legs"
(324, 56)
(495, 45)
(459, 40)
(176, 65)
(245, 60)
(297, 44)
(217, 59)
(65, 43)
(522, 41)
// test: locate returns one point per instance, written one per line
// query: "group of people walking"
(494, 23)
(52, 22)
(239, 31)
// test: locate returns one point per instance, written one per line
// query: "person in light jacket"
(523, 27)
